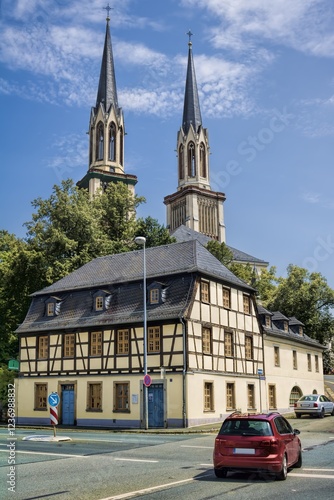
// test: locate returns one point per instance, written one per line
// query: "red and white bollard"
(54, 418)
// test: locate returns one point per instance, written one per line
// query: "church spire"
(107, 91)
(191, 109)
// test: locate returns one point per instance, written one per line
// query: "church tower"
(194, 204)
(106, 131)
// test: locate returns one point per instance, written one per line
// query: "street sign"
(147, 380)
(53, 399)
(260, 371)
(13, 364)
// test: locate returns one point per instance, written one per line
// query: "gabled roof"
(278, 316)
(294, 321)
(163, 261)
(191, 108)
(183, 233)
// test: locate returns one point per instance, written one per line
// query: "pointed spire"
(191, 109)
(107, 92)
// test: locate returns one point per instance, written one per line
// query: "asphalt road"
(114, 466)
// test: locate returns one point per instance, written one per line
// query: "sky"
(265, 75)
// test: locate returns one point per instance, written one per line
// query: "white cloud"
(312, 198)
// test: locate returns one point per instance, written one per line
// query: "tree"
(220, 251)
(154, 233)
(308, 297)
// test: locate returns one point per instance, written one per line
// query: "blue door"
(67, 404)
(156, 405)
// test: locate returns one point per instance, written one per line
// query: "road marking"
(316, 476)
(321, 470)
(189, 446)
(133, 494)
(137, 460)
(46, 453)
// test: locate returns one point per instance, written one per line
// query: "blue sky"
(265, 74)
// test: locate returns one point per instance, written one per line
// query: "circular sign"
(53, 399)
(147, 380)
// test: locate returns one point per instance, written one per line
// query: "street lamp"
(141, 240)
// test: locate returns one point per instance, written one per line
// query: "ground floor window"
(208, 396)
(41, 394)
(230, 397)
(121, 396)
(272, 396)
(94, 396)
(295, 394)
(250, 396)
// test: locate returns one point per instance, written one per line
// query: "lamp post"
(141, 240)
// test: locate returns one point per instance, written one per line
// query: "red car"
(257, 443)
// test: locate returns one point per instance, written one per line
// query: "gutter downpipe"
(184, 413)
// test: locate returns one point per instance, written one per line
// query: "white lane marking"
(189, 446)
(46, 453)
(133, 494)
(320, 470)
(137, 460)
(316, 476)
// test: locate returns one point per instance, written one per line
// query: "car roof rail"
(273, 413)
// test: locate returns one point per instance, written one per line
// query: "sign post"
(53, 400)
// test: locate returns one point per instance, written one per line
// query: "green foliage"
(308, 297)
(221, 252)
(154, 233)
(6, 377)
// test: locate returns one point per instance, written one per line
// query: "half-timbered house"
(83, 338)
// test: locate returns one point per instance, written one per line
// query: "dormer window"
(156, 293)
(101, 300)
(300, 330)
(52, 306)
(286, 326)
(268, 321)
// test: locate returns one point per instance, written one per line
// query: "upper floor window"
(207, 340)
(99, 304)
(276, 356)
(99, 141)
(95, 348)
(43, 347)
(228, 342)
(123, 337)
(112, 142)
(248, 347)
(316, 361)
(294, 360)
(246, 302)
(154, 339)
(205, 291)
(309, 362)
(154, 296)
(181, 162)
(191, 160)
(227, 298)
(69, 345)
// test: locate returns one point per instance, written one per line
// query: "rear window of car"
(309, 398)
(245, 427)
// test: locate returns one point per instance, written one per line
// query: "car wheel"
(221, 473)
(298, 415)
(322, 413)
(299, 462)
(281, 476)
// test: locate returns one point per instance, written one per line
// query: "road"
(114, 466)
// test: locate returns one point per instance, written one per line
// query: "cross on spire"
(190, 34)
(108, 9)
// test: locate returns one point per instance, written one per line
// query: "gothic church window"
(202, 160)
(99, 141)
(191, 160)
(181, 162)
(112, 142)
(121, 146)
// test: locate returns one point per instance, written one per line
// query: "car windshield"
(243, 427)
(309, 398)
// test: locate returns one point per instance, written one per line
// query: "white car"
(314, 404)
